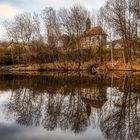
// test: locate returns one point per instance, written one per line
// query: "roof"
(114, 42)
(123, 43)
(94, 31)
(24, 46)
(94, 103)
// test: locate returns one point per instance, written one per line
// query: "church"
(93, 36)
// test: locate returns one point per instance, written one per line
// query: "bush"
(5, 59)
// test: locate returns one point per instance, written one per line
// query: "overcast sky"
(10, 8)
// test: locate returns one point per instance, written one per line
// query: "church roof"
(94, 103)
(94, 31)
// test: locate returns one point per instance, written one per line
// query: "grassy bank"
(62, 59)
(68, 66)
(119, 66)
(57, 66)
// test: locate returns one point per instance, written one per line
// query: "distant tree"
(22, 28)
(103, 21)
(37, 25)
(52, 26)
(73, 20)
(123, 20)
(73, 24)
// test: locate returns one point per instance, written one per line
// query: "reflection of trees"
(27, 106)
(51, 110)
(123, 122)
(74, 103)
(51, 102)
(74, 114)
(66, 112)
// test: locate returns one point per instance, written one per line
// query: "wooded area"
(54, 35)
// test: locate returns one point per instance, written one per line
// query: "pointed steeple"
(88, 23)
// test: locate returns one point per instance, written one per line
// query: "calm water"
(69, 107)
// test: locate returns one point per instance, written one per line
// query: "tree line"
(54, 30)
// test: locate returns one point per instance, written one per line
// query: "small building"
(116, 44)
(93, 37)
(120, 43)
(94, 97)
(24, 47)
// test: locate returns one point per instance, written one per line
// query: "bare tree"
(52, 26)
(25, 26)
(73, 20)
(38, 29)
(122, 19)
(103, 21)
(21, 28)
(73, 23)
(11, 30)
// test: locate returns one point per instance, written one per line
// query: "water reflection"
(123, 122)
(75, 103)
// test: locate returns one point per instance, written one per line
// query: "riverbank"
(119, 66)
(67, 66)
(57, 66)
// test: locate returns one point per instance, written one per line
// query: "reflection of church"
(94, 97)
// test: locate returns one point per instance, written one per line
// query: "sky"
(10, 8)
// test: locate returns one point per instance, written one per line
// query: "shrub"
(5, 59)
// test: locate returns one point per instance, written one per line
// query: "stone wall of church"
(93, 41)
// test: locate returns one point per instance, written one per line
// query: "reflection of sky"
(4, 98)
(38, 133)
(10, 130)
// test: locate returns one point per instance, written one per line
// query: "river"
(69, 106)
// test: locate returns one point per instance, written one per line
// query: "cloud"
(7, 11)
(13, 2)
(89, 4)
(37, 5)
(10, 8)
